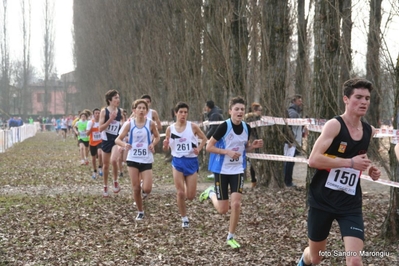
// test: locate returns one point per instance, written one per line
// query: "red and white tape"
(315, 125)
(274, 157)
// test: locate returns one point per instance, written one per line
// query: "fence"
(14, 135)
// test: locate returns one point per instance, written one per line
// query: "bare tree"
(26, 38)
(302, 68)
(346, 39)
(326, 60)
(48, 50)
(5, 63)
(276, 37)
(390, 228)
(373, 68)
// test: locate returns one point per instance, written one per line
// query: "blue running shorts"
(187, 166)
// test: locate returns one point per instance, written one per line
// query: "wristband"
(352, 162)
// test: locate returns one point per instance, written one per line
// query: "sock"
(230, 236)
(211, 193)
(184, 219)
(95, 171)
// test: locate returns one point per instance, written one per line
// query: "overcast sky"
(63, 26)
(64, 45)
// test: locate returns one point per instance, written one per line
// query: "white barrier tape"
(381, 181)
(274, 157)
(314, 125)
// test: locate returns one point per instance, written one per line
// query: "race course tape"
(274, 157)
(313, 124)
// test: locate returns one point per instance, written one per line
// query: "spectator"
(291, 145)
(255, 114)
(214, 113)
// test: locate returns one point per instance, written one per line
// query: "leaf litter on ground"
(52, 212)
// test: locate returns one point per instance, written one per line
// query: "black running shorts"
(223, 181)
(319, 224)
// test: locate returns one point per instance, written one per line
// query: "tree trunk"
(346, 56)
(390, 228)
(302, 67)
(326, 62)
(373, 70)
(275, 46)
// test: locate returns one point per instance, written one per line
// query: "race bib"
(83, 134)
(113, 128)
(183, 147)
(96, 136)
(139, 150)
(343, 179)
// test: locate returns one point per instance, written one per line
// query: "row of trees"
(197, 50)
(19, 71)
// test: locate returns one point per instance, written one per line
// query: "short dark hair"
(146, 96)
(356, 83)
(109, 95)
(236, 100)
(180, 105)
(95, 109)
(210, 104)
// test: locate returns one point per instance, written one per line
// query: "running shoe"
(140, 216)
(121, 174)
(105, 193)
(94, 175)
(86, 161)
(205, 195)
(116, 187)
(301, 261)
(82, 162)
(185, 224)
(233, 243)
(100, 172)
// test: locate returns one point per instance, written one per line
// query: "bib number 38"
(343, 179)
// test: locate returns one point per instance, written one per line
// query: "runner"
(182, 138)
(95, 143)
(152, 114)
(340, 155)
(110, 122)
(83, 138)
(228, 147)
(140, 148)
(64, 127)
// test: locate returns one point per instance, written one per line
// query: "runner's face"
(115, 100)
(148, 101)
(182, 114)
(96, 115)
(237, 112)
(359, 101)
(141, 110)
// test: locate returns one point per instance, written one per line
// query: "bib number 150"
(344, 177)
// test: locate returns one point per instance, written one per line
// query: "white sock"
(211, 193)
(230, 236)
(184, 219)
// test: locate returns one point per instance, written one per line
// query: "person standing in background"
(293, 144)
(255, 114)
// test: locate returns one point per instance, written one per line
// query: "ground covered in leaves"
(53, 213)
